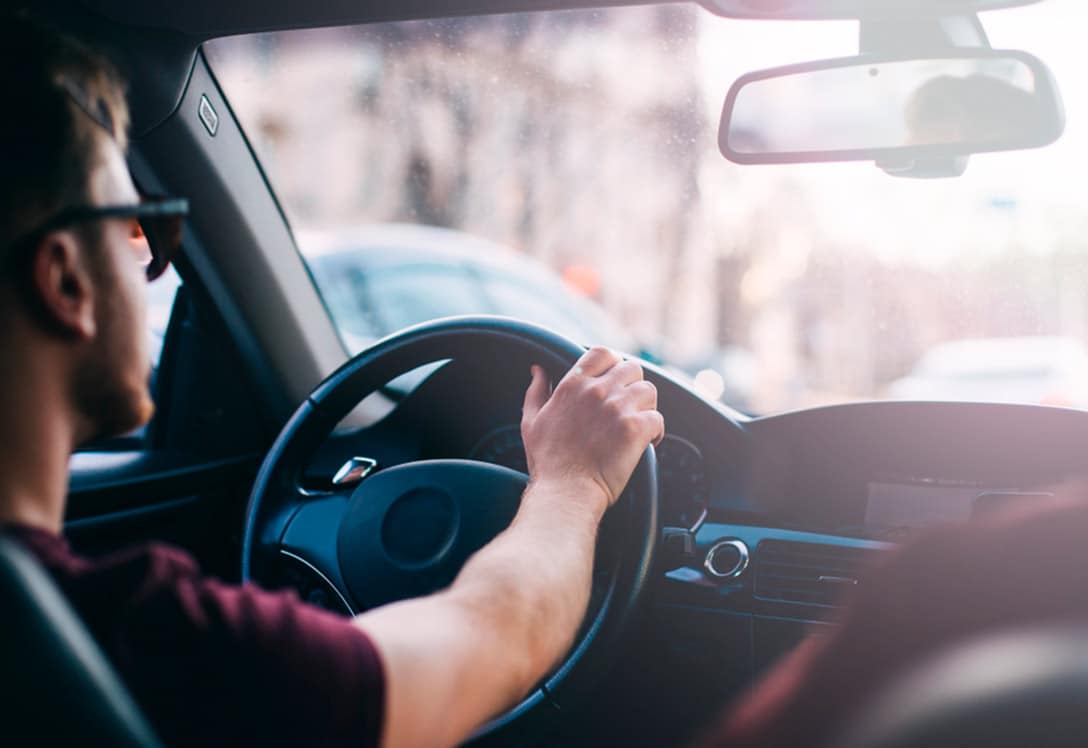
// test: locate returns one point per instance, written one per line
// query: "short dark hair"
(63, 99)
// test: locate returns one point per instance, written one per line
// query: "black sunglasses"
(160, 220)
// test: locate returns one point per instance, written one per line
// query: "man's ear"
(62, 286)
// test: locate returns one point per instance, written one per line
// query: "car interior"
(272, 445)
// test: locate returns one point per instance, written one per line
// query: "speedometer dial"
(681, 477)
(503, 446)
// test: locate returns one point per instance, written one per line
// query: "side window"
(160, 304)
(205, 399)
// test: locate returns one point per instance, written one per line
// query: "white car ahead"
(1047, 370)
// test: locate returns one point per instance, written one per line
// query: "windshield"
(584, 143)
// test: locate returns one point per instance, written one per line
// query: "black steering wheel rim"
(628, 536)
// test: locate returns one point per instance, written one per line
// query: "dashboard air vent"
(808, 573)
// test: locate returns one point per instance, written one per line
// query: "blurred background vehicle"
(382, 278)
(1047, 370)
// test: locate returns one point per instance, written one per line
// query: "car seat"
(60, 689)
(1018, 688)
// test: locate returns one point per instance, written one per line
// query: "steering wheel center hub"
(419, 527)
(409, 529)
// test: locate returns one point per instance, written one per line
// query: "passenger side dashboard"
(819, 494)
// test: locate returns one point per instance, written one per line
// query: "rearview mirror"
(892, 111)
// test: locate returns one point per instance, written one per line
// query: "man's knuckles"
(599, 390)
(600, 354)
(616, 408)
(644, 393)
(634, 428)
(625, 372)
(597, 361)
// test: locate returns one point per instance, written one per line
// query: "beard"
(112, 398)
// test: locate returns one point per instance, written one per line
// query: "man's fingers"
(643, 394)
(653, 424)
(623, 374)
(537, 394)
(596, 361)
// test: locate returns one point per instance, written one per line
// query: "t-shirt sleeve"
(216, 664)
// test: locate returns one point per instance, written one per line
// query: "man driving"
(215, 664)
(211, 663)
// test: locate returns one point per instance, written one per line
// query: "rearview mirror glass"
(892, 109)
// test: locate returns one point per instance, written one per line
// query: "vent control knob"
(727, 559)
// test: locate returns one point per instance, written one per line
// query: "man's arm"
(454, 659)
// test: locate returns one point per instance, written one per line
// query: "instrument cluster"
(682, 479)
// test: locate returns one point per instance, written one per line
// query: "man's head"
(70, 272)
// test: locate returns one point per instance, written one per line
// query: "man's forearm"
(474, 649)
(530, 586)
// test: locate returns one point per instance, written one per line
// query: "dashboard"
(878, 471)
(771, 523)
(886, 470)
(874, 472)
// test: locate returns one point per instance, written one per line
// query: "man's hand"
(591, 431)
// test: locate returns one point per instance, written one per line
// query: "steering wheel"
(407, 529)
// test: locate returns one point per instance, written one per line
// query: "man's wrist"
(578, 494)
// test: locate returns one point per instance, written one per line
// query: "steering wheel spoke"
(309, 540)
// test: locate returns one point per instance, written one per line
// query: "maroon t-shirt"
(1008, 571)
(215, 664)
